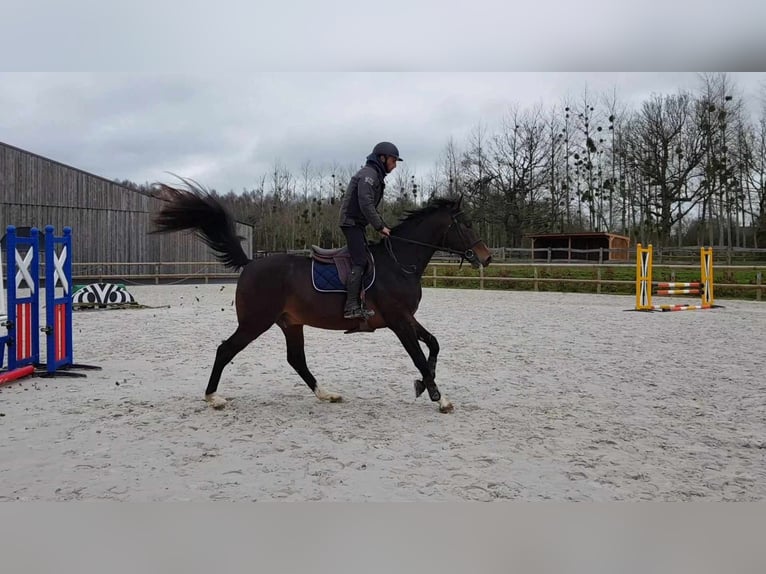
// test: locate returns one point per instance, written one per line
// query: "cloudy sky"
(186, 86)
(226, 129)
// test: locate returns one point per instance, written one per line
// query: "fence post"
(481, 277)
(535, 276)
(549, 257)
(759, 282)
(598, 278)
(434, 273)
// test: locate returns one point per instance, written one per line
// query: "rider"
(358, 209)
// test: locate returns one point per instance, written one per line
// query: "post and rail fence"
(602, 269)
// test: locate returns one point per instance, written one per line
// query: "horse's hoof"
(323, 395)
(445, 406)
(216, 401)
(419, 388)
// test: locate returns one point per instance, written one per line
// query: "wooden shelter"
(591, 246)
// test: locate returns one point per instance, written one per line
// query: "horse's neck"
(412, 254)
(424, 232)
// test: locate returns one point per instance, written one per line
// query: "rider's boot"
(353, 308)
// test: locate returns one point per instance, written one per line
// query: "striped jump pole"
(644, 284)
(678, 288)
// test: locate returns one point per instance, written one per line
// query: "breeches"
(357, 244)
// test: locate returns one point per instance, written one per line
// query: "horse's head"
(460, 237)
(443, 225)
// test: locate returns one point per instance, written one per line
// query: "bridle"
(468, 254)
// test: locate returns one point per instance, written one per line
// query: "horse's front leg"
(431, 343)
(407, 332)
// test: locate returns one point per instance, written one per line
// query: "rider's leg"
(357, 247)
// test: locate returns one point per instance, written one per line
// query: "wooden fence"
(438, 273)
(661, 255)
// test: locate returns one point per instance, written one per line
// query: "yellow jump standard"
(644, 285)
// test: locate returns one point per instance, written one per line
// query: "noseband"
(468, 254)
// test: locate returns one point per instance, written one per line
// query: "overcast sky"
(225, 129)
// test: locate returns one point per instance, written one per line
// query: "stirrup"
(358, 313)
(368, 313)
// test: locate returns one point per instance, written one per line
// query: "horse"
(278, 289)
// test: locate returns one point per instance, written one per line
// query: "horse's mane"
(434, 205)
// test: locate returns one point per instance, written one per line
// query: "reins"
(412, 269)
(468, 254)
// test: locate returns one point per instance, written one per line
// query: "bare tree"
(717, 115)
(666, 147)
(556, 173)
(520, 158)
(613, 185)
(477, 177)
(757, 178)
(452, 171)
(586, 158)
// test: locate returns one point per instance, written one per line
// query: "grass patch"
(581, 278)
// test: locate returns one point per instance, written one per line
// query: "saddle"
(330, 269)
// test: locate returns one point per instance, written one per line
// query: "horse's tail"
(195, 209)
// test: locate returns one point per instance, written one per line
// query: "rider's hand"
(385, 232)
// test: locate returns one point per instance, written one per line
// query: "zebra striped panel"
(103, 295)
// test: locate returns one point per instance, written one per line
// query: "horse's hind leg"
(296, 356)
(226, 352)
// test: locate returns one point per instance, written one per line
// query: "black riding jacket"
(363, 194)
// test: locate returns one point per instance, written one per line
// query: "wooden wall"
(110, 222)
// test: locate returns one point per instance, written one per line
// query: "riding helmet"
(386, 148)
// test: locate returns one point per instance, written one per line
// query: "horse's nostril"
(488, 261)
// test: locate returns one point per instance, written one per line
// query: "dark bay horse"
(278, 289)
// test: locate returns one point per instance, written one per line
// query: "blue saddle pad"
(326, 280)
